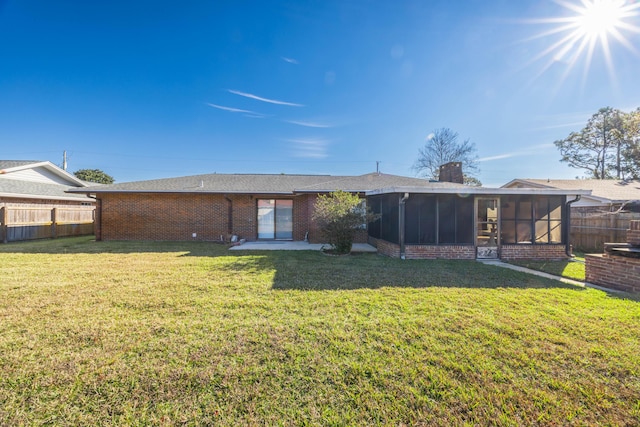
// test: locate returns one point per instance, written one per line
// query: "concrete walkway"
(281, 245)
(499, 263)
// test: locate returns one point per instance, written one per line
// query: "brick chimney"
(451, 172)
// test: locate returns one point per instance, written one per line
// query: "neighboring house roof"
(259, 184)
(38, 171)
(9, 164)
(602, 190)
(37, 190)
(33, 179)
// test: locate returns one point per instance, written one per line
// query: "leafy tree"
(340, 215)
(604, 147)
(472, 181)
(442, 147)
(94, 175)
(631, 152)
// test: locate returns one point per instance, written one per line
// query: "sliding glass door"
(275, 219)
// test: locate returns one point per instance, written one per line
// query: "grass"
(117, 333)
(571, 269)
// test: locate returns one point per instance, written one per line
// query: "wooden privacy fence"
(28, 223)
(590, 230)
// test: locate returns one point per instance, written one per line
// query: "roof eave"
(96, 191)
(480, 191)
(51, 167)
(40, 197)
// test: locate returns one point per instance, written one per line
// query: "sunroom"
(479, 223)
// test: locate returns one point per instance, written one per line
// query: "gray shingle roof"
(17, 188)
(7, 164)
(609, 189)
(260, 184)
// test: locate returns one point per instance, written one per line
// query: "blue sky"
(153, 89)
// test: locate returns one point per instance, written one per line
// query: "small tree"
(94, 175)
(339, 215)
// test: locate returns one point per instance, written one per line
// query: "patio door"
(275, 219)
(487, 228)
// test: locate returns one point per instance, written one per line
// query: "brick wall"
(164, 216)
(615, 272)
(175, 216)
(547, 252)
(633, 233)
(424, 251)
(385, 248)
(440, 252)
(451, 172)
(533, 252)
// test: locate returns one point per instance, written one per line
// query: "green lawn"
(571, 269)
(114, 333)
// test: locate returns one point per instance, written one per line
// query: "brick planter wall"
(423, 251)
(533, 252)
(633, 233)
(615, 272)
(440, 252)
(541, 252)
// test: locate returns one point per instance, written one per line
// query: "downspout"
(229, 215)
(568, 235)
(401, 210)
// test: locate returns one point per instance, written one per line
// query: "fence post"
(3, 223)
(54, 214)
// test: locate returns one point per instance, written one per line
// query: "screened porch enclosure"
(485, 221)
(429, 219)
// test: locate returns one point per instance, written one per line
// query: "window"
(420, 219)
(375, 203)
(275, 219)
(390, 217)
(442, 219)
(532, 219)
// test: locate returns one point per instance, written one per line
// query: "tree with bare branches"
(443, 146)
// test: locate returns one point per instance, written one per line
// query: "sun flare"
(587, 24)
(600, 17)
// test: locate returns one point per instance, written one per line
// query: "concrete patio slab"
(296, 246)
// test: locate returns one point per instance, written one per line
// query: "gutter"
(568, 211)
(401, 212)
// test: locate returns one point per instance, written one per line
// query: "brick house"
(34, 203)
(418, 218)
(211, 207)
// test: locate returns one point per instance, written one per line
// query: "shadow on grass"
(88, 245)
(310, 270)
(315, 271)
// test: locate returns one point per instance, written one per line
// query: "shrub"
(339, 215)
